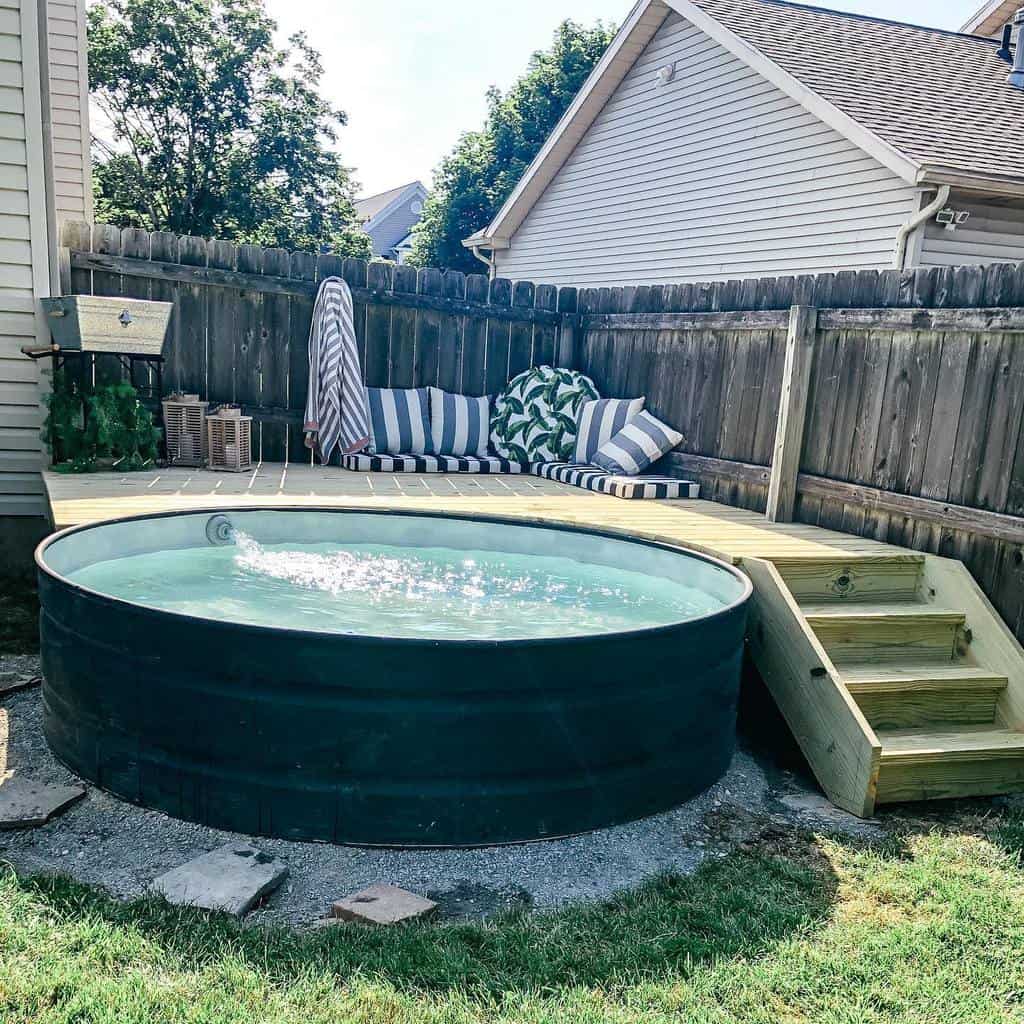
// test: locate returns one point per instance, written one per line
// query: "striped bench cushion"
(429, 464)
(633, 487)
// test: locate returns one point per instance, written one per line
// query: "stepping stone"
(26, 804)
(813, 805)
(11, 683)
(383, 904)
(232, 879)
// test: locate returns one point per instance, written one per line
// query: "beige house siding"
(26, 227)
(69, 109)
(993, 234)
(717, 174)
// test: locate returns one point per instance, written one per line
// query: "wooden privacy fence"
(884, 404)
(242, 316)
(904, 425)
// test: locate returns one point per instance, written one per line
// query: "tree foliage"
(477, 176)
(217, 131)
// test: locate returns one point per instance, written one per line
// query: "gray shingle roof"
(939, 98)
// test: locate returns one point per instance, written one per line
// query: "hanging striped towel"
(337, 414)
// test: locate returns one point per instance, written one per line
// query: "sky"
(412, 75)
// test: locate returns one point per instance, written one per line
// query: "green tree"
(477, 176)
(217, 131)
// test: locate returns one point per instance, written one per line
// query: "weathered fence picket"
(242, 317)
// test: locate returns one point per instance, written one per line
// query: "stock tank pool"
(387, 678)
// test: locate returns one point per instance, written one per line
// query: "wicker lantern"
(229, 440)
(185, 426)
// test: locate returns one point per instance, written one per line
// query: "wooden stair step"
(954, 762)
(917, 745)
(923, 695)
(881, 633)
(925, 676)
(887, 578)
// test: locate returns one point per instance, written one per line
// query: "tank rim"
(747, 587)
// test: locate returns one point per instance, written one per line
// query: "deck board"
(721, 530)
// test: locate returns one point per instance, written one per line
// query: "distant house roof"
(371, 206)
(390, 216)
(933, 106)
(992, 16)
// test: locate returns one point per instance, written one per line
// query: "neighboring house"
(389, 218)
(722, 139)
(44, 177)
(993, 17)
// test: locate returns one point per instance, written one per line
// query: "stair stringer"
(990, 644)
(841, 747)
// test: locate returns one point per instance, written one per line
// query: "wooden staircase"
(899, 679)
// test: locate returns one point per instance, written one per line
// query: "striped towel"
(337, 414)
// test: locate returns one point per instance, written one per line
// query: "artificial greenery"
(93, 426)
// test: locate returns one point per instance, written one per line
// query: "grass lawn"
(926, 928)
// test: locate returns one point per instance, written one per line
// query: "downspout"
(489, 262)
(904, 233)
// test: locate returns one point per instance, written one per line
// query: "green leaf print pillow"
(536, 417)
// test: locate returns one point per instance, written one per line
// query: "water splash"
(383, 576)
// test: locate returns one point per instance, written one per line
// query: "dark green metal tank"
(378, 741)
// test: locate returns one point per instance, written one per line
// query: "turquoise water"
(384, 590)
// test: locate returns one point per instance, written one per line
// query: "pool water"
(398, 591)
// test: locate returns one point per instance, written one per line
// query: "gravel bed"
(107, 842)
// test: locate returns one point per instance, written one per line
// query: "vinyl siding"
(69, 109)
(23, 257)
(994, 234)
(716, 175)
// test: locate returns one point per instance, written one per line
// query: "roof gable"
(940, 99)
(993, 15)
(374, 208)
(925, 103)
(632, 38)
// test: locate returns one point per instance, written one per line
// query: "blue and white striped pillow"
(399, 421)
(459, 425)
(638, 445)
(600, 421)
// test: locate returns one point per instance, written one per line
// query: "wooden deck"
(729, 533)
(895, 674)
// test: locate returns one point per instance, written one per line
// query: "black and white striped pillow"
(638, 445)
(459, 425)
(399, 421)
(600, 421)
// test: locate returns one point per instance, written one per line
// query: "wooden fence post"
(789, 434)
